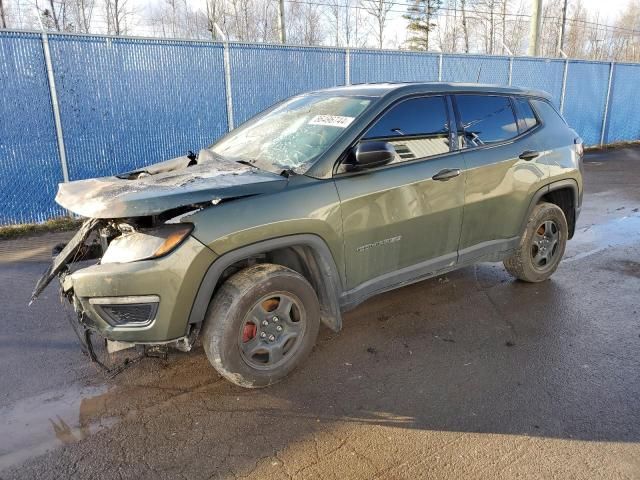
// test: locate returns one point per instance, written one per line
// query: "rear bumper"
(171, 282)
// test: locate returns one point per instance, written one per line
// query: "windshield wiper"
(287, 172)
(246, 162)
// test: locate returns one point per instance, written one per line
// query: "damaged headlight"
(146, 244)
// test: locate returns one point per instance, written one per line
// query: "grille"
(129, 314)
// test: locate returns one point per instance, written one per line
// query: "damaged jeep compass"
(310, 208)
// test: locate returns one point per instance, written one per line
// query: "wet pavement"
(470, 374)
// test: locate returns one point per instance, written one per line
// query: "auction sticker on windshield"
(331, 121)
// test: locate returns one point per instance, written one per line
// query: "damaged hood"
(166, 185)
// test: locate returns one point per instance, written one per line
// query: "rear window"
(525, 114)
(486, 119)
(548, 113)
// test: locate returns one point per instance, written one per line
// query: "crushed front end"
(132, 282)
(134, 268)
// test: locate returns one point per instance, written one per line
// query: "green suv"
(310, 208)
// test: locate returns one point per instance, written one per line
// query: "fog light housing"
(134, 311)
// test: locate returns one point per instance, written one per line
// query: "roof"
(381, 89)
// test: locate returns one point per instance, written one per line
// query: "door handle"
(446, 174)
(529, 155)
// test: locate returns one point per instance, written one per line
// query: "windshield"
(293, 134)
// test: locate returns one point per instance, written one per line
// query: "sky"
(396, 30)
(608, 10)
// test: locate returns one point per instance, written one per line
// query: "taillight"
(579, 145)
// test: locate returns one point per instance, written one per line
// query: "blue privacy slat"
(384, 66)
(29, 162)
(128, 102)
(624, 117)
(475, 69)
(539, 74)
(264, 74)
(585, 98)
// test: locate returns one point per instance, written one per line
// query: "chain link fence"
(109, 104)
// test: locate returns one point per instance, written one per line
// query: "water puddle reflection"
(597, 238)
(35, 425)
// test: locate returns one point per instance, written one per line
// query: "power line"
(474, 11)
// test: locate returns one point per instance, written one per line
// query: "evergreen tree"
(421, 15)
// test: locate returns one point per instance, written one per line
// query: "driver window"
(417, 128)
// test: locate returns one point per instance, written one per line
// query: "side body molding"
(321, 265)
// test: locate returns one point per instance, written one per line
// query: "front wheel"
(261, 324)
(541, 246)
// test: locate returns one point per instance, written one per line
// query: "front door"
(398, 221)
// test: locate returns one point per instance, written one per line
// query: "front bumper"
(173, 280)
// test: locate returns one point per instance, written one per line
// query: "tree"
(118, 13)
(82, 13)
(515, 36)
(421, 15)
(505, 7)
(489, 16)
(550, 28)
(576, 33)
(447, 29)
(465, 27)
(305, 25)
(626, 40)
(3, 15)
(379, 10)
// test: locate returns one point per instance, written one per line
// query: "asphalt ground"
(468, 375)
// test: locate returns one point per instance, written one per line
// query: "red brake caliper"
(248, 332)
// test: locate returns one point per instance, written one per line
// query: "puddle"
(597, 238)
(36, 425)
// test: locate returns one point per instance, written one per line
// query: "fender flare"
(329, 286)
(568, 182)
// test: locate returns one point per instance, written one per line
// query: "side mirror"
(371, 155)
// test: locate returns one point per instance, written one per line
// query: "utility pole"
(534, 28)
(281, 24)
(562, 28)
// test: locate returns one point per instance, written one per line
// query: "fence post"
(564, 85)
(227, 83)
(347, 66)
(56, 107)
(440, 68)
(510, 69)
(606, 105)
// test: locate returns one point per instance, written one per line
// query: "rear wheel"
(542, 245)
(261, 324)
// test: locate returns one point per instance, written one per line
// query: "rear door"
(397, 219)
(501, 169)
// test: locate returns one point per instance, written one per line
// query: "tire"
(542, 244)
(260, 325)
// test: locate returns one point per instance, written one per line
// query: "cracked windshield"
(292, 135)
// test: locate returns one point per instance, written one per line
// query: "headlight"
(145, 244)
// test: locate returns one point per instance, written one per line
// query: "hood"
(166, 185)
